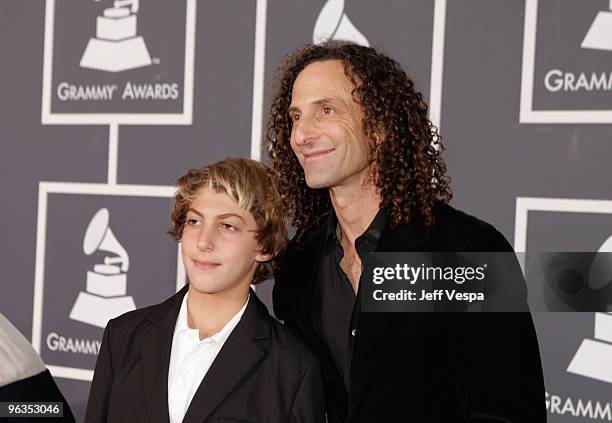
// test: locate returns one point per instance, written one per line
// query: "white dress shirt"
(190, 360)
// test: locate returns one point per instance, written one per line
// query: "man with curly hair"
(359, 167)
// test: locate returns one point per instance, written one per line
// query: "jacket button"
(354, 332)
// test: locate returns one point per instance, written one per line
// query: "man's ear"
(262, 258)
(378, 137)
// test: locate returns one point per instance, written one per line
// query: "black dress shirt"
(340, 305)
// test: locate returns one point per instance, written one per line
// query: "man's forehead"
(321, 79)
(326, 70)
(324, 65)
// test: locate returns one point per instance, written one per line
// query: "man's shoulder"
(455, 230)
(294, 272)
(300, 251)
(448, 218)
(311, 238)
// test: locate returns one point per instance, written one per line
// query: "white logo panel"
(566, 76)
(91, 266)
(593, 359)
(107, 62)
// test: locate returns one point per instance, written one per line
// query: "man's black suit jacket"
(261, 374)
(422, 367)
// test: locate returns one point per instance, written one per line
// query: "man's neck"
(209, 313)
(355, 209)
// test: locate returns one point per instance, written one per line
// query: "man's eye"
(327, 110)
(295, 117)
(228, 227)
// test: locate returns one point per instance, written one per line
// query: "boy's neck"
(209, 313)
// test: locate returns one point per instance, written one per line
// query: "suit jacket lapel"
(245, 348)
(156, 349)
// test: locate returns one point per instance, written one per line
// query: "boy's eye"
(228, 227)
(295, 116)
(191, 221)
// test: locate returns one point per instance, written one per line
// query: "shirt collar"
(220, 337)
(369, 239)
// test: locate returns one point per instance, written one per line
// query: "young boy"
(212, 352)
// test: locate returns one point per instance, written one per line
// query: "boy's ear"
(262, 258)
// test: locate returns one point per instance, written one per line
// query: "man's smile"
(316, 154)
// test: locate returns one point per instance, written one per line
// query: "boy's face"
(218, 245)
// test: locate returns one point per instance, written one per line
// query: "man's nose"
(305, 131)
(206, 239)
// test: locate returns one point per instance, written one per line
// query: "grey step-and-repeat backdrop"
(103, 107)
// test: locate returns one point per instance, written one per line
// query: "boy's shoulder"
(284, 343)
(136, 321)
(287, 342)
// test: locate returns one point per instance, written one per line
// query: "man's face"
(218, 245)
(327, 135)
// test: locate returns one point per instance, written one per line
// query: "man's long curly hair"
(406, 167)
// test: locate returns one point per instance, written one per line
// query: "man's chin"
(317, 183)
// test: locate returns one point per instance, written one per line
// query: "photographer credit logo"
(567, 76)
(106, 61)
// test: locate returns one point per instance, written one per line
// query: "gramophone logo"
(105, 296)
(594, 356)
(599, 35)
(116, 46)
(334, 24)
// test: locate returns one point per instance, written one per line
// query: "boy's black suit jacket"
(262, 373)
(422, 367)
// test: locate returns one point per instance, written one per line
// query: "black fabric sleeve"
(37, 388)
(309, 402)
(99, 393)
(497, 364)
